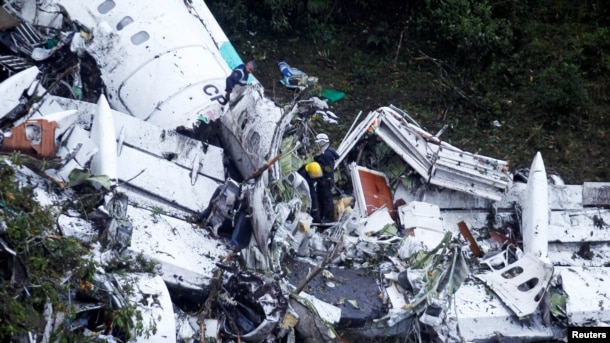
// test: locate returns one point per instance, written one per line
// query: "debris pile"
(169, 233)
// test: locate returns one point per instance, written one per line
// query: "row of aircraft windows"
(138, 38)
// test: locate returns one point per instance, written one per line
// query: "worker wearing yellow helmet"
(312, 173)
(314, 170)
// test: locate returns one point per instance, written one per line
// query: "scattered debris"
(211, 236)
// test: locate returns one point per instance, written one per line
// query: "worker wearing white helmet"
(326, 158)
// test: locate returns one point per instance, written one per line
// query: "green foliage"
(39, 268)
(468, 29)
(131, 264)
(379, 37)
(237, 19)
(45, 258)
(559, 89)
(362, 70)
(280, 14)
(362, 74)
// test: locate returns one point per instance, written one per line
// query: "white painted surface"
(12, 88)
(535, 225)
(520, 284)
(482, 315)
(104, 162)
(160, 142)
(328, 312)
(152, 299)
(153, 70)
(588, 294)
(164, 179)
(186, 254)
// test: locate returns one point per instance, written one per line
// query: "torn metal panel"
(396, 297)
(521, 285)
(425, 227)
(371, 190)
(26, 38)
(187, 256)
(440, 163)
(78, 228)
(14, 64)
(253, 130)
(154, 305)
(263, 215)
(352, 137)
(33, 137)
(163, 179)
(596, 194)
(376, 222)
(588, 297)
(310, 326)
(421, 215)
(40, 13)
(13, 87)
(474, 247)
(481, 317)
(163, 143)
(86, 110)
(328, 312)
(587, 225)
(65, 120)
(407, 144)
(255, 307)
(77, 146)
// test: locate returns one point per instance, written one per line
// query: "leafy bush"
(558, 89)
(379, 37)
(465, 28)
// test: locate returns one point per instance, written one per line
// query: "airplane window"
(124, 22)
(140, 37)
(106, 6)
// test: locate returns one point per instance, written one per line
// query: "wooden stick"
(331, 256)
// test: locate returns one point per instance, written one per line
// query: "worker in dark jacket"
(239, 77)
(312, 173)
(326, 157)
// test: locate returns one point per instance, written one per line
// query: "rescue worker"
(312, 173)
(326, 158)
(238, 77)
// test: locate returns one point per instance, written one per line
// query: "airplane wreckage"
(429, 243)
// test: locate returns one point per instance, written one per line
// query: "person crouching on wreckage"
(238, 79)
(326, 158)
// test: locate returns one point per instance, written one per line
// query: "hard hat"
(313, 169)
(322, 138)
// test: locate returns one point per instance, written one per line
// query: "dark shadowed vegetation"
(538, 69)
